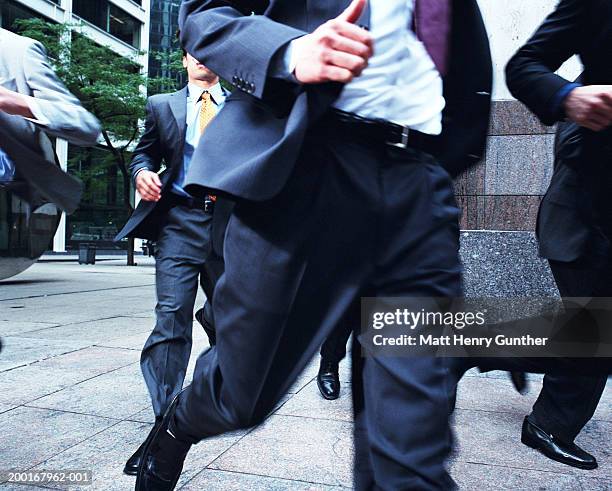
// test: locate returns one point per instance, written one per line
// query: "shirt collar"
(216, 92)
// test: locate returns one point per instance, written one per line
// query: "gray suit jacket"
(24, 68)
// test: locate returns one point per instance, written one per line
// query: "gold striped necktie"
(207, 111)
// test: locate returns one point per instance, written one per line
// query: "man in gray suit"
(179, 224)
(35, 105)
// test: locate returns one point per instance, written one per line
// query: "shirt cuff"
(284, 63)
(39, 118)
(559, 98)
(138, 171)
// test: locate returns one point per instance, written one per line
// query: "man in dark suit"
(338, 197)
(575, 219)
(179, 223)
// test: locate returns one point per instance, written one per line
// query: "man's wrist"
(558, 100)
(15, 103)
(284, 63)
(137, 172)
(292, 57)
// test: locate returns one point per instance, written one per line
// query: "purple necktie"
(432, 24)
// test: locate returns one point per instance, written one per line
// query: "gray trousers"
(182, 248)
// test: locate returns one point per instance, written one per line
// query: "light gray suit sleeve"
(58, 112)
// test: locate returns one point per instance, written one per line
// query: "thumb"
(353, 11)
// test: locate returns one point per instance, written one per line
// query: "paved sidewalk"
(72, 397)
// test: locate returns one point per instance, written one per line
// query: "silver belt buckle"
(404, 143)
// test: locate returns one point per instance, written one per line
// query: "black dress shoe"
(328, 380)
(131, 466)
(567, 453)
(208, 328)
(163, 457)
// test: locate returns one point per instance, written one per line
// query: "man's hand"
(337, 51)
(148, 185)
(14, 103)
(590, 106)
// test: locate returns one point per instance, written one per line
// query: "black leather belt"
(381, 131)
(207, 205)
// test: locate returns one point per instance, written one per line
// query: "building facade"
(163, 41)
(123, 26)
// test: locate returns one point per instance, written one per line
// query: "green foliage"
(108, 85)
(171, 65)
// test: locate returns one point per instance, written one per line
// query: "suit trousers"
(355, 218)
(567, 402)
(181, 251)
(333, 349)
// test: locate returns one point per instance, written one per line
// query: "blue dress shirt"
(559, 98)
(192, 134)
(7, 168)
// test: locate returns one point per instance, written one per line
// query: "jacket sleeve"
(530, 73)
(238, 47)
(148, 153)
(58, 112)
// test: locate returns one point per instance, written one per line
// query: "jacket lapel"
(178, 106)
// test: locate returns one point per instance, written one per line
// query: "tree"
(110, 86)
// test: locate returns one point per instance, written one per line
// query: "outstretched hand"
(590, 106)
(336, 51)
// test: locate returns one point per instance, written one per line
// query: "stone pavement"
(72, 397)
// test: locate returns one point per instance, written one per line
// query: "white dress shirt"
(401, 83)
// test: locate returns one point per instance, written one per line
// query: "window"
(103, 211)
(94, 12)
(109, 18)
(123, 26)
(12, 11)
(163, 42)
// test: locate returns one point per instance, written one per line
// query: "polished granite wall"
(504, 191)
(504, 265)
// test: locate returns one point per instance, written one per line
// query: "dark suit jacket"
(162, 141)
(259, 133)
(566, 229)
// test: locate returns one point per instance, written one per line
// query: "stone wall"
(504, 191)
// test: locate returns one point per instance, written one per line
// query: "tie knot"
(204, 97)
